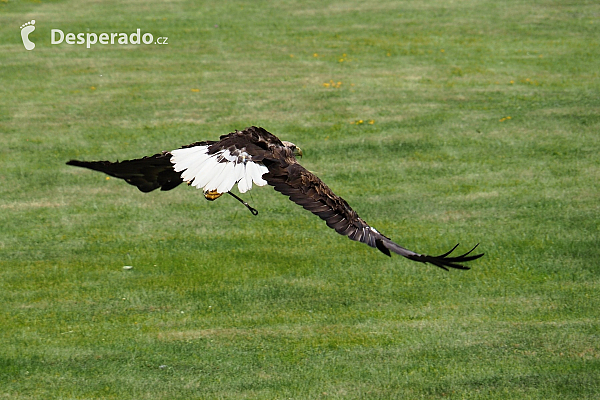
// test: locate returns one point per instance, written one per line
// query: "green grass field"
(480, 123)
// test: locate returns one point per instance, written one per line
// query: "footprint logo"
(26, 29)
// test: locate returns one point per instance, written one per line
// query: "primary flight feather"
(255, 156)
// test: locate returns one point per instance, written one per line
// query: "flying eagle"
(255, 156)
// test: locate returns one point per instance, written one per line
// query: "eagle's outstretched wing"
(256, 156)
(306, 189)
(146, 173)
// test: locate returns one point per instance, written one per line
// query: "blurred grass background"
(479, 124)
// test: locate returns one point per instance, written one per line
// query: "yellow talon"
(212, 195)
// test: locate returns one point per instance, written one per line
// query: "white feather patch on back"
(183, 159)
(216, 175)
(202, 161)
(229, 178)
(257, 172)
(219, 171)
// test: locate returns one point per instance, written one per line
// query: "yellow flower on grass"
(332, 84)
(195, 90)
(505, 119)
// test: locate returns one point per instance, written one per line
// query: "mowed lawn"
(439, 122)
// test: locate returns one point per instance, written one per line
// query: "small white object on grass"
(128, 267)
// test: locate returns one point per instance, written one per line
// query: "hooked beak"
(298, 152)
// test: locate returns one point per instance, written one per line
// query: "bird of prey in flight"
(255, 156)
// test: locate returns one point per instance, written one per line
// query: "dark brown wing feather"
(148, 173)
(306, 189)
(257, 141)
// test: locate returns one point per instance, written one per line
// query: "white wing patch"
(219, 171)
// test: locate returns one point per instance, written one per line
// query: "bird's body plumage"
(255, 156)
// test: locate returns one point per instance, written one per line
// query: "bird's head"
(297, 151)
